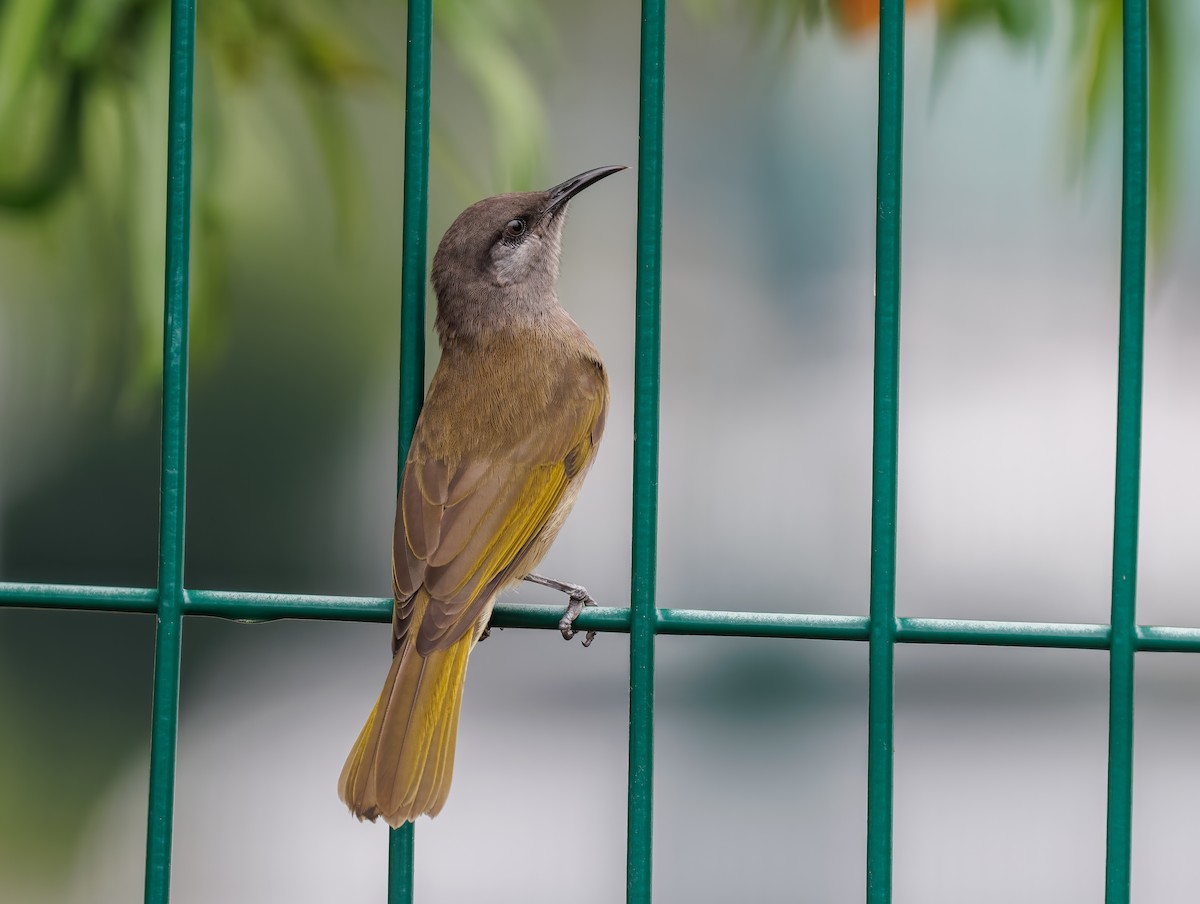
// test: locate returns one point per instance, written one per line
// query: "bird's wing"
(461, 529)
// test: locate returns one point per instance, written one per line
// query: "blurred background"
(1008, 403)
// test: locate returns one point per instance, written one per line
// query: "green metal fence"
(881, 629)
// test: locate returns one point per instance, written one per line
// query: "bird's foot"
(580, 600)
(486, 633)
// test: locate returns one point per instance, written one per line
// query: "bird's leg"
(579, 600)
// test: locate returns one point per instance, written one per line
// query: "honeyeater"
(509, 428)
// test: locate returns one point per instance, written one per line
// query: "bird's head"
(498, 261)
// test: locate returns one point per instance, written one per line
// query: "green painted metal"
(1156, 639)
(412, 321)
(880, 702)
(643, 618)
(882, 630)
(79, 596)
(257, 607)
(270, 606)
(401, 863)
(1003, 634)
(165, 712)
(1129, 436)
(761, 624)
(252, 608)
(416, 222)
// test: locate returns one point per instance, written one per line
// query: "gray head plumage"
(497, 264)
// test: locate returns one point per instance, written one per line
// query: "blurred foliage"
(1096, 27)
(1097, 46)
(83, 104)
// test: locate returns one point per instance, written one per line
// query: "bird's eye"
(515, 228)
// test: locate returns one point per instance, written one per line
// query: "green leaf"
(322, 47)
(341, 154)
(90, 28)
(452, 164)
(1021, 22)
(1163, 114)
(508, 92)
(1101, 69)
(24, 52)
(41, 148)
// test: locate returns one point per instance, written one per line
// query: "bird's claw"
(580, 599)
(486, 633)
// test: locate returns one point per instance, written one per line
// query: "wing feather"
(464, 526)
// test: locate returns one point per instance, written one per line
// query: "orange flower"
(857, 16)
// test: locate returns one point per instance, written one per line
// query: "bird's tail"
(401, 764)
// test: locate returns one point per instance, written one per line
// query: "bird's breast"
(490, 397)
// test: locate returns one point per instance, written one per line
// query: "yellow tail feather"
(400, 766)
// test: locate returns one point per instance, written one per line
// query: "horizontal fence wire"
(252, 607)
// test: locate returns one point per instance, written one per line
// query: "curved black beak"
(565, 191)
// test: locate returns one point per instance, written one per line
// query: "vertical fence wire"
(165, 712)
(412, 320)
(639, 855)
(882, 640)
(1128, 464)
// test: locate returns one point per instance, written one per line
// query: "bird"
(509, 428)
